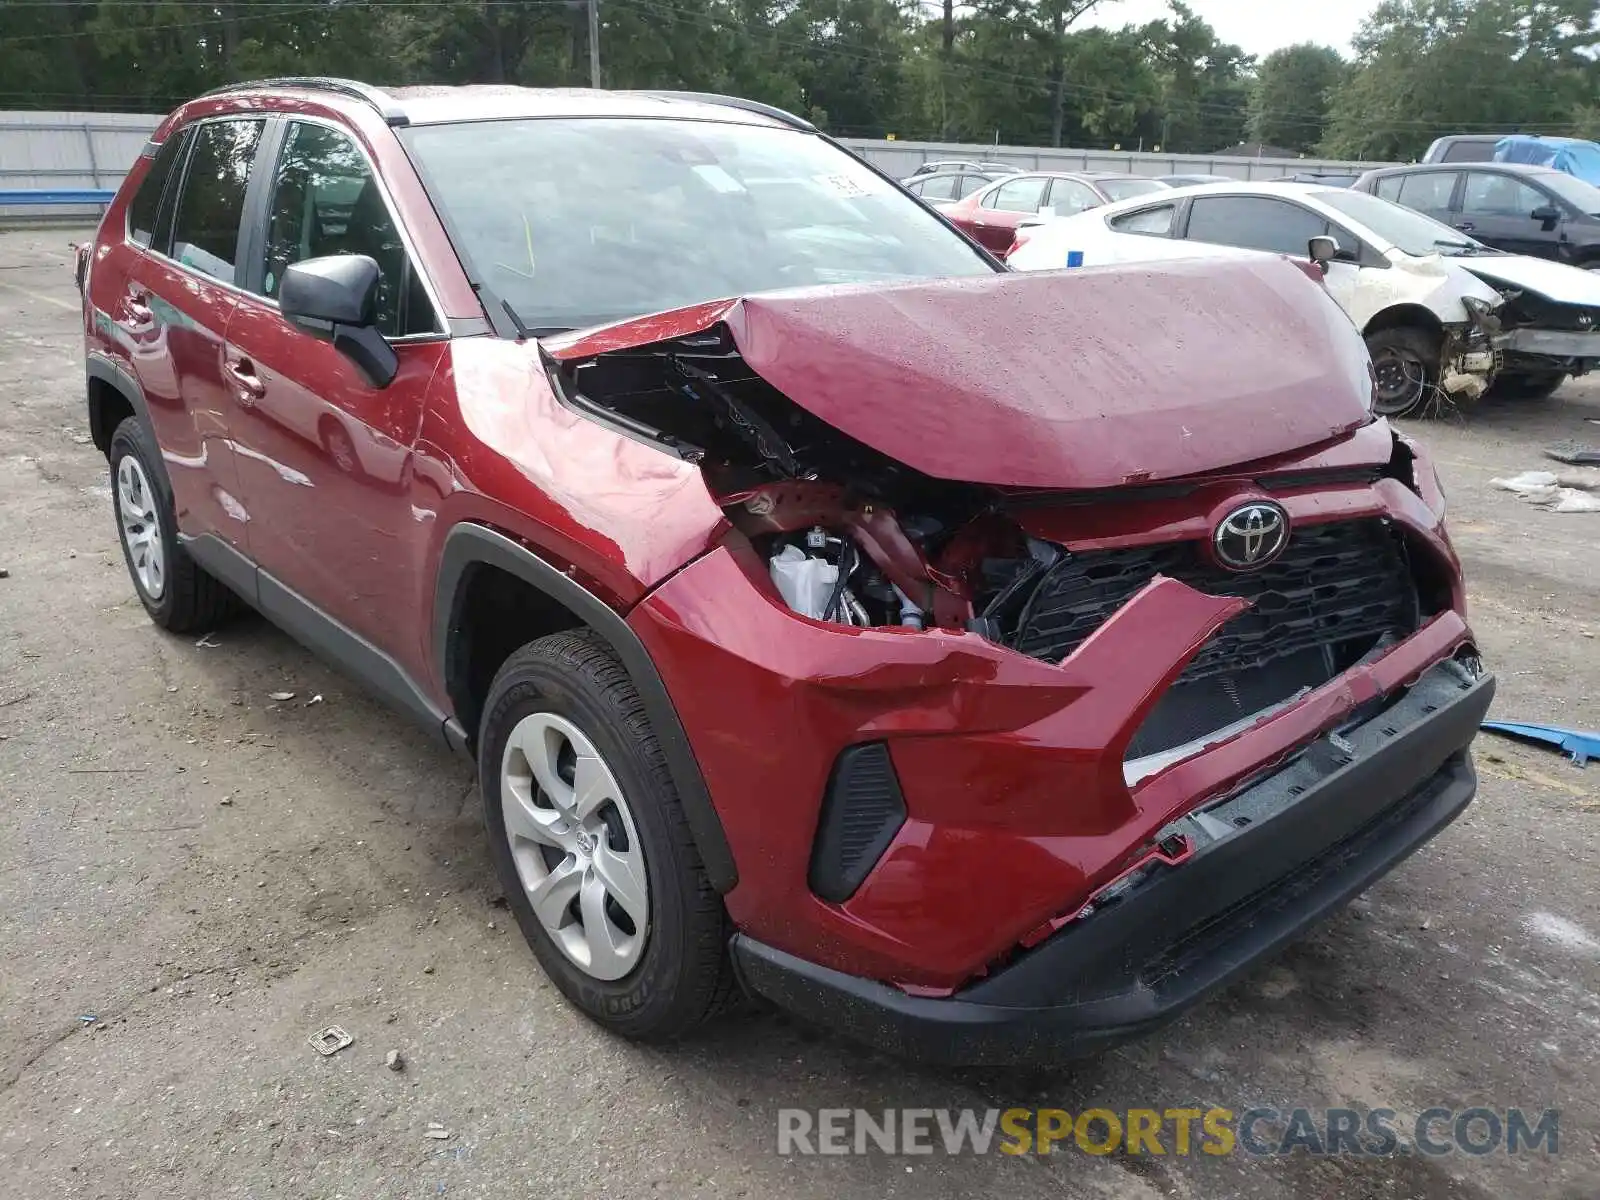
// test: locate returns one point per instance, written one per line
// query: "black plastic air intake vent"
(861, 812)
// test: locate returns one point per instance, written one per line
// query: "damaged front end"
(999, 638)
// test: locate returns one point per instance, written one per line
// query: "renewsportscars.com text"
(1168, 1131)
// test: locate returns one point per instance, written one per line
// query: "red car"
(991, 215)
(986, 698)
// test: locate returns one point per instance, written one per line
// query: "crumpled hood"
(1553, 280)
(1075, 379)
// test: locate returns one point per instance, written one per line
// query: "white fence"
(902, 158)
(54, 150)
(42, 150)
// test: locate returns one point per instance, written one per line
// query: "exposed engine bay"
(895, 547)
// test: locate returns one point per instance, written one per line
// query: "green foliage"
(1293, 92)
(1026, 72)
(1431, 67)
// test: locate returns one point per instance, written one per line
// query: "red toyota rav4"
(985, 664)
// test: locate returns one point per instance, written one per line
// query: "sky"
(1259, 26)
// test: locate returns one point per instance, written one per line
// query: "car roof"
(433, 105)
(1502, 168)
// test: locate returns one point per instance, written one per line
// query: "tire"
(1539, 386)
(178, 593)
(1407, 360)
(672, 971)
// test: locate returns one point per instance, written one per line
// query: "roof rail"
(755, 106)
(380, 100)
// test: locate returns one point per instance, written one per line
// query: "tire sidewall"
(131, 439)
(647, 995)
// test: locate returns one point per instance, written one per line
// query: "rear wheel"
(1405, 362)
(591, 844)
(174, 589)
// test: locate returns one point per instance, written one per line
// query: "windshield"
(1123, 189)
(1585, 197)
(1407, 230)
(578, 222)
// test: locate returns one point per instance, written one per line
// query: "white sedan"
(1427, 299)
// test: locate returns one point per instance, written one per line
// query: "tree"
(1204, 91)
(1292, 94)
(1431, 67)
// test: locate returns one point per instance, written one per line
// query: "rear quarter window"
(1156, 222)
(145, 208)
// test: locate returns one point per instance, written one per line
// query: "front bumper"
(1550, 343)
(1320, 830)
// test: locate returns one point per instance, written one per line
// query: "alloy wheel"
(575, 845)
(140, 528)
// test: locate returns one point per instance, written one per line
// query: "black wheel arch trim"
(99, 367)
(468, 544)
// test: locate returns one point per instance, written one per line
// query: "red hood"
(1077, 379)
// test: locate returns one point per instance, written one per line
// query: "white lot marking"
(1559, 931)
(43, 299)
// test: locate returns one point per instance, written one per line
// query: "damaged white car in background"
(1443, 315)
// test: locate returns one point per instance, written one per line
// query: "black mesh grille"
(861, 813)
(1336, 590)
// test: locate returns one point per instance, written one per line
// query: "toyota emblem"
(1251, 536)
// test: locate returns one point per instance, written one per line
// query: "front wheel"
(1405, 362)
(591, 844)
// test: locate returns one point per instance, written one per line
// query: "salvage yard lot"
(213, 875)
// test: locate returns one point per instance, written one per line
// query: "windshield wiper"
(1458, 247)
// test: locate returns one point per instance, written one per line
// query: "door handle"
(244, 374)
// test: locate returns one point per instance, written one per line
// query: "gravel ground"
(213, 876)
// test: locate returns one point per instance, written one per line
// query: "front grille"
(1336, 590)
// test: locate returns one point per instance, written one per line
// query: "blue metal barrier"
(44, 196)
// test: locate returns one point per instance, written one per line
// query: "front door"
(1498, 209)
(325, 458)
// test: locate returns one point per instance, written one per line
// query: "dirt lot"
(212, 876)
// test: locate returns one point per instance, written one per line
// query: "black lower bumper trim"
(1357, 806)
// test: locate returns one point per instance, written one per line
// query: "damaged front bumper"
(1563, 345)
(1289, 849)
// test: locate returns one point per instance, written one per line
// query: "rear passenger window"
(205, 233)
(326, 201)
(146, 205)
(1021, 195)
(1427, 190)
(1389, 187)
(940, 188)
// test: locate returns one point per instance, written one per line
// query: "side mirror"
(1322, 251)
(1548, 216)
(334, 299)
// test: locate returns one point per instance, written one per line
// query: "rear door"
(178, 297)
(1498, 209)
(1429, 192)
(1002, 209)
(325, 458)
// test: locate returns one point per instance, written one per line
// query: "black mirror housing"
(1547, 215)
(335, 299)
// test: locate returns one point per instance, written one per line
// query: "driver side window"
(325, 200)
